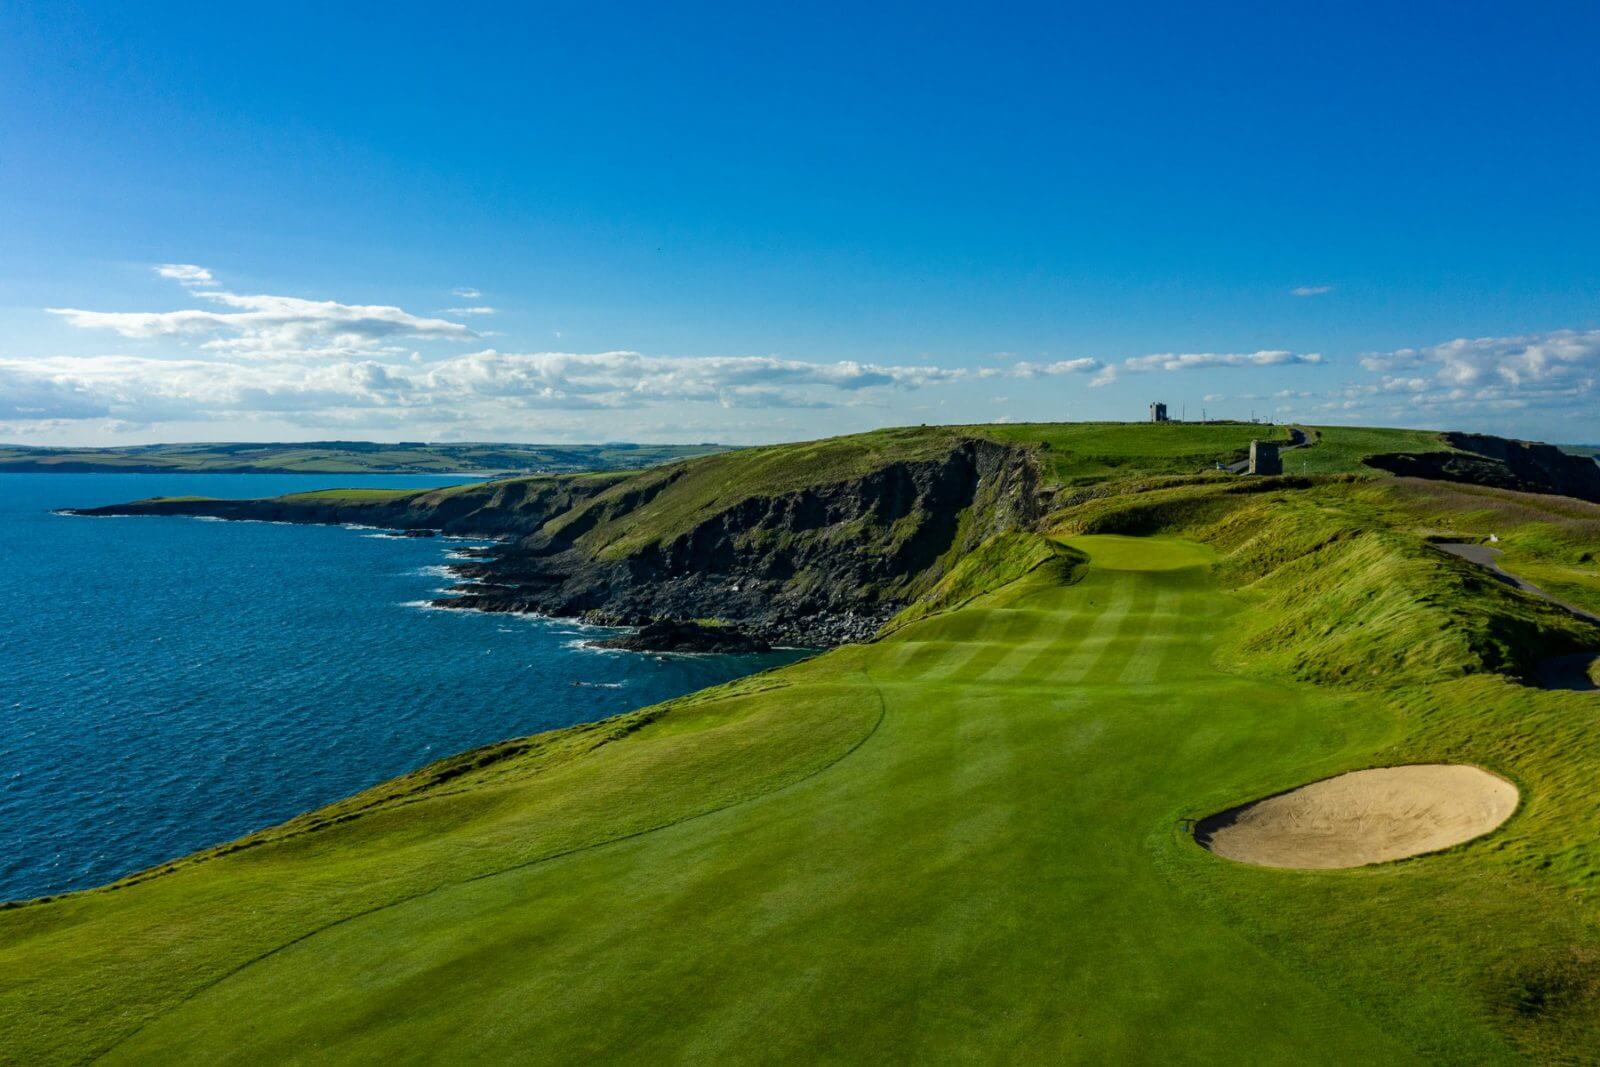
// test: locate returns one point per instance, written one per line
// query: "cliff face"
(821, 565)
(1502, 464)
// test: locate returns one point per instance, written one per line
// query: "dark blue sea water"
(170, 683)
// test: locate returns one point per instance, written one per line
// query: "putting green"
(1118, 552)
(966, 841)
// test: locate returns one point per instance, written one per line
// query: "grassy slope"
(963, 840)
(1340, 449)
(694, 491)
(1553, 542)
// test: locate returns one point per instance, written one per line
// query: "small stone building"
(1264, 458)
(1158, 412)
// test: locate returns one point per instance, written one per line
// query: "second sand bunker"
(1371, 816)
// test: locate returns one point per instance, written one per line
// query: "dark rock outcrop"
(1500, 463)
(826, 565)
(667, 635)
(819, 566)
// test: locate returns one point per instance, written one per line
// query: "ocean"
(167, 684)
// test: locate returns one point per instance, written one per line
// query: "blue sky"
(677, 222)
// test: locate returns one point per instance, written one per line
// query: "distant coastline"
(476, 460)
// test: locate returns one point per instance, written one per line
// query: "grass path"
(962, 842)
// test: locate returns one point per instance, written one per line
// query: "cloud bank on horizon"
(235, 362)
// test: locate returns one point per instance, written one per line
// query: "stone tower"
(1158, 412)
(1264, 458)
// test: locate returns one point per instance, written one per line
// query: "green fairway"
(964, 840)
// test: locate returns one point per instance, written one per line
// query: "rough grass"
(349, 496)
(997, 562)
(1551, 541)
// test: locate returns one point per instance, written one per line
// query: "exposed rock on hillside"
(666, 635)
(1503, 464)
(819, 566)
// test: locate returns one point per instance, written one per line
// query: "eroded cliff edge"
(819, 565)
(847, 539)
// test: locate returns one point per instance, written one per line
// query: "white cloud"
(185, 273)
(1563, 356)
(485, 386)
(623, 379)
(1175, 361)
(238, 358)
(1060, 366)
(1170, 361)
(1541, 375)
(269, 327)
(466, 292)
(1311, 290)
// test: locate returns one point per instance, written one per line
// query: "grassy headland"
(964, 840)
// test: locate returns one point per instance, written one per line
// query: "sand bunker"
(1387, 813)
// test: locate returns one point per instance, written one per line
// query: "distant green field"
(1340, 449)
(345, 457)
(681, 495)
(350, 495)
(1081, 452)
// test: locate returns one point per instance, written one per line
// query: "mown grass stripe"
(1007, 663)
(1145, 661)
(993, 628)
(1131, 604)
(1005, 630)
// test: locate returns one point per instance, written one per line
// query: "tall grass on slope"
(1552, 541)
(999, 561)
(1341, 595)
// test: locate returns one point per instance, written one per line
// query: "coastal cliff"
(817, 543)
(820, 565)
(777, 545)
